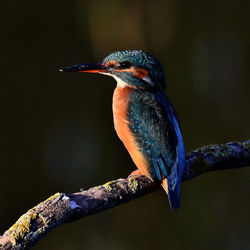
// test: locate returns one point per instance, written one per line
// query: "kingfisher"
(144, 118)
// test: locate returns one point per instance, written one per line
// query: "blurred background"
(57, 130)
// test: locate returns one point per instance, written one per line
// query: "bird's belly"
(121, 123)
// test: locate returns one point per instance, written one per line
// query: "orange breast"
(121, 122)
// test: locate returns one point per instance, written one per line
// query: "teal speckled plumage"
(154, 122)
(139, 59)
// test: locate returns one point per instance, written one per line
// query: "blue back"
(158, 136)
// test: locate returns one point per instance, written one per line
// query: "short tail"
(173, 195)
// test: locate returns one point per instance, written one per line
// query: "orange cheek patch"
(141, 73)
(110, 63)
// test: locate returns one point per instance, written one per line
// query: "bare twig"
(61, 207)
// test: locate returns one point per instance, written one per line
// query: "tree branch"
(61, 208)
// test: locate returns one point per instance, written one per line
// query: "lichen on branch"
(61, 208)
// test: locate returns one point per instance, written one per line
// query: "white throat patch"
(123, 84)
(120, 82)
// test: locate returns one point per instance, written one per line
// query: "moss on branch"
(61, 208)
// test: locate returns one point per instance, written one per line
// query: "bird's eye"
(124, 65)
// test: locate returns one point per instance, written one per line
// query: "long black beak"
(97, 67)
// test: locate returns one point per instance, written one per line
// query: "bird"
(144, 118)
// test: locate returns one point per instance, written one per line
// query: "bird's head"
(133, 68)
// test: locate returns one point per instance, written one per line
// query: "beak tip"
(90, 68)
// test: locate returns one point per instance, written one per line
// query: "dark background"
(57, 131)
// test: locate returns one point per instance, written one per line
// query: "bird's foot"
(135, 172)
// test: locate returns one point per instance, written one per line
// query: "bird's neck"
(120, 102)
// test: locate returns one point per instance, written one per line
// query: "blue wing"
(158, 136)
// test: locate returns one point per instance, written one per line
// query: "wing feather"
(158, 136)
